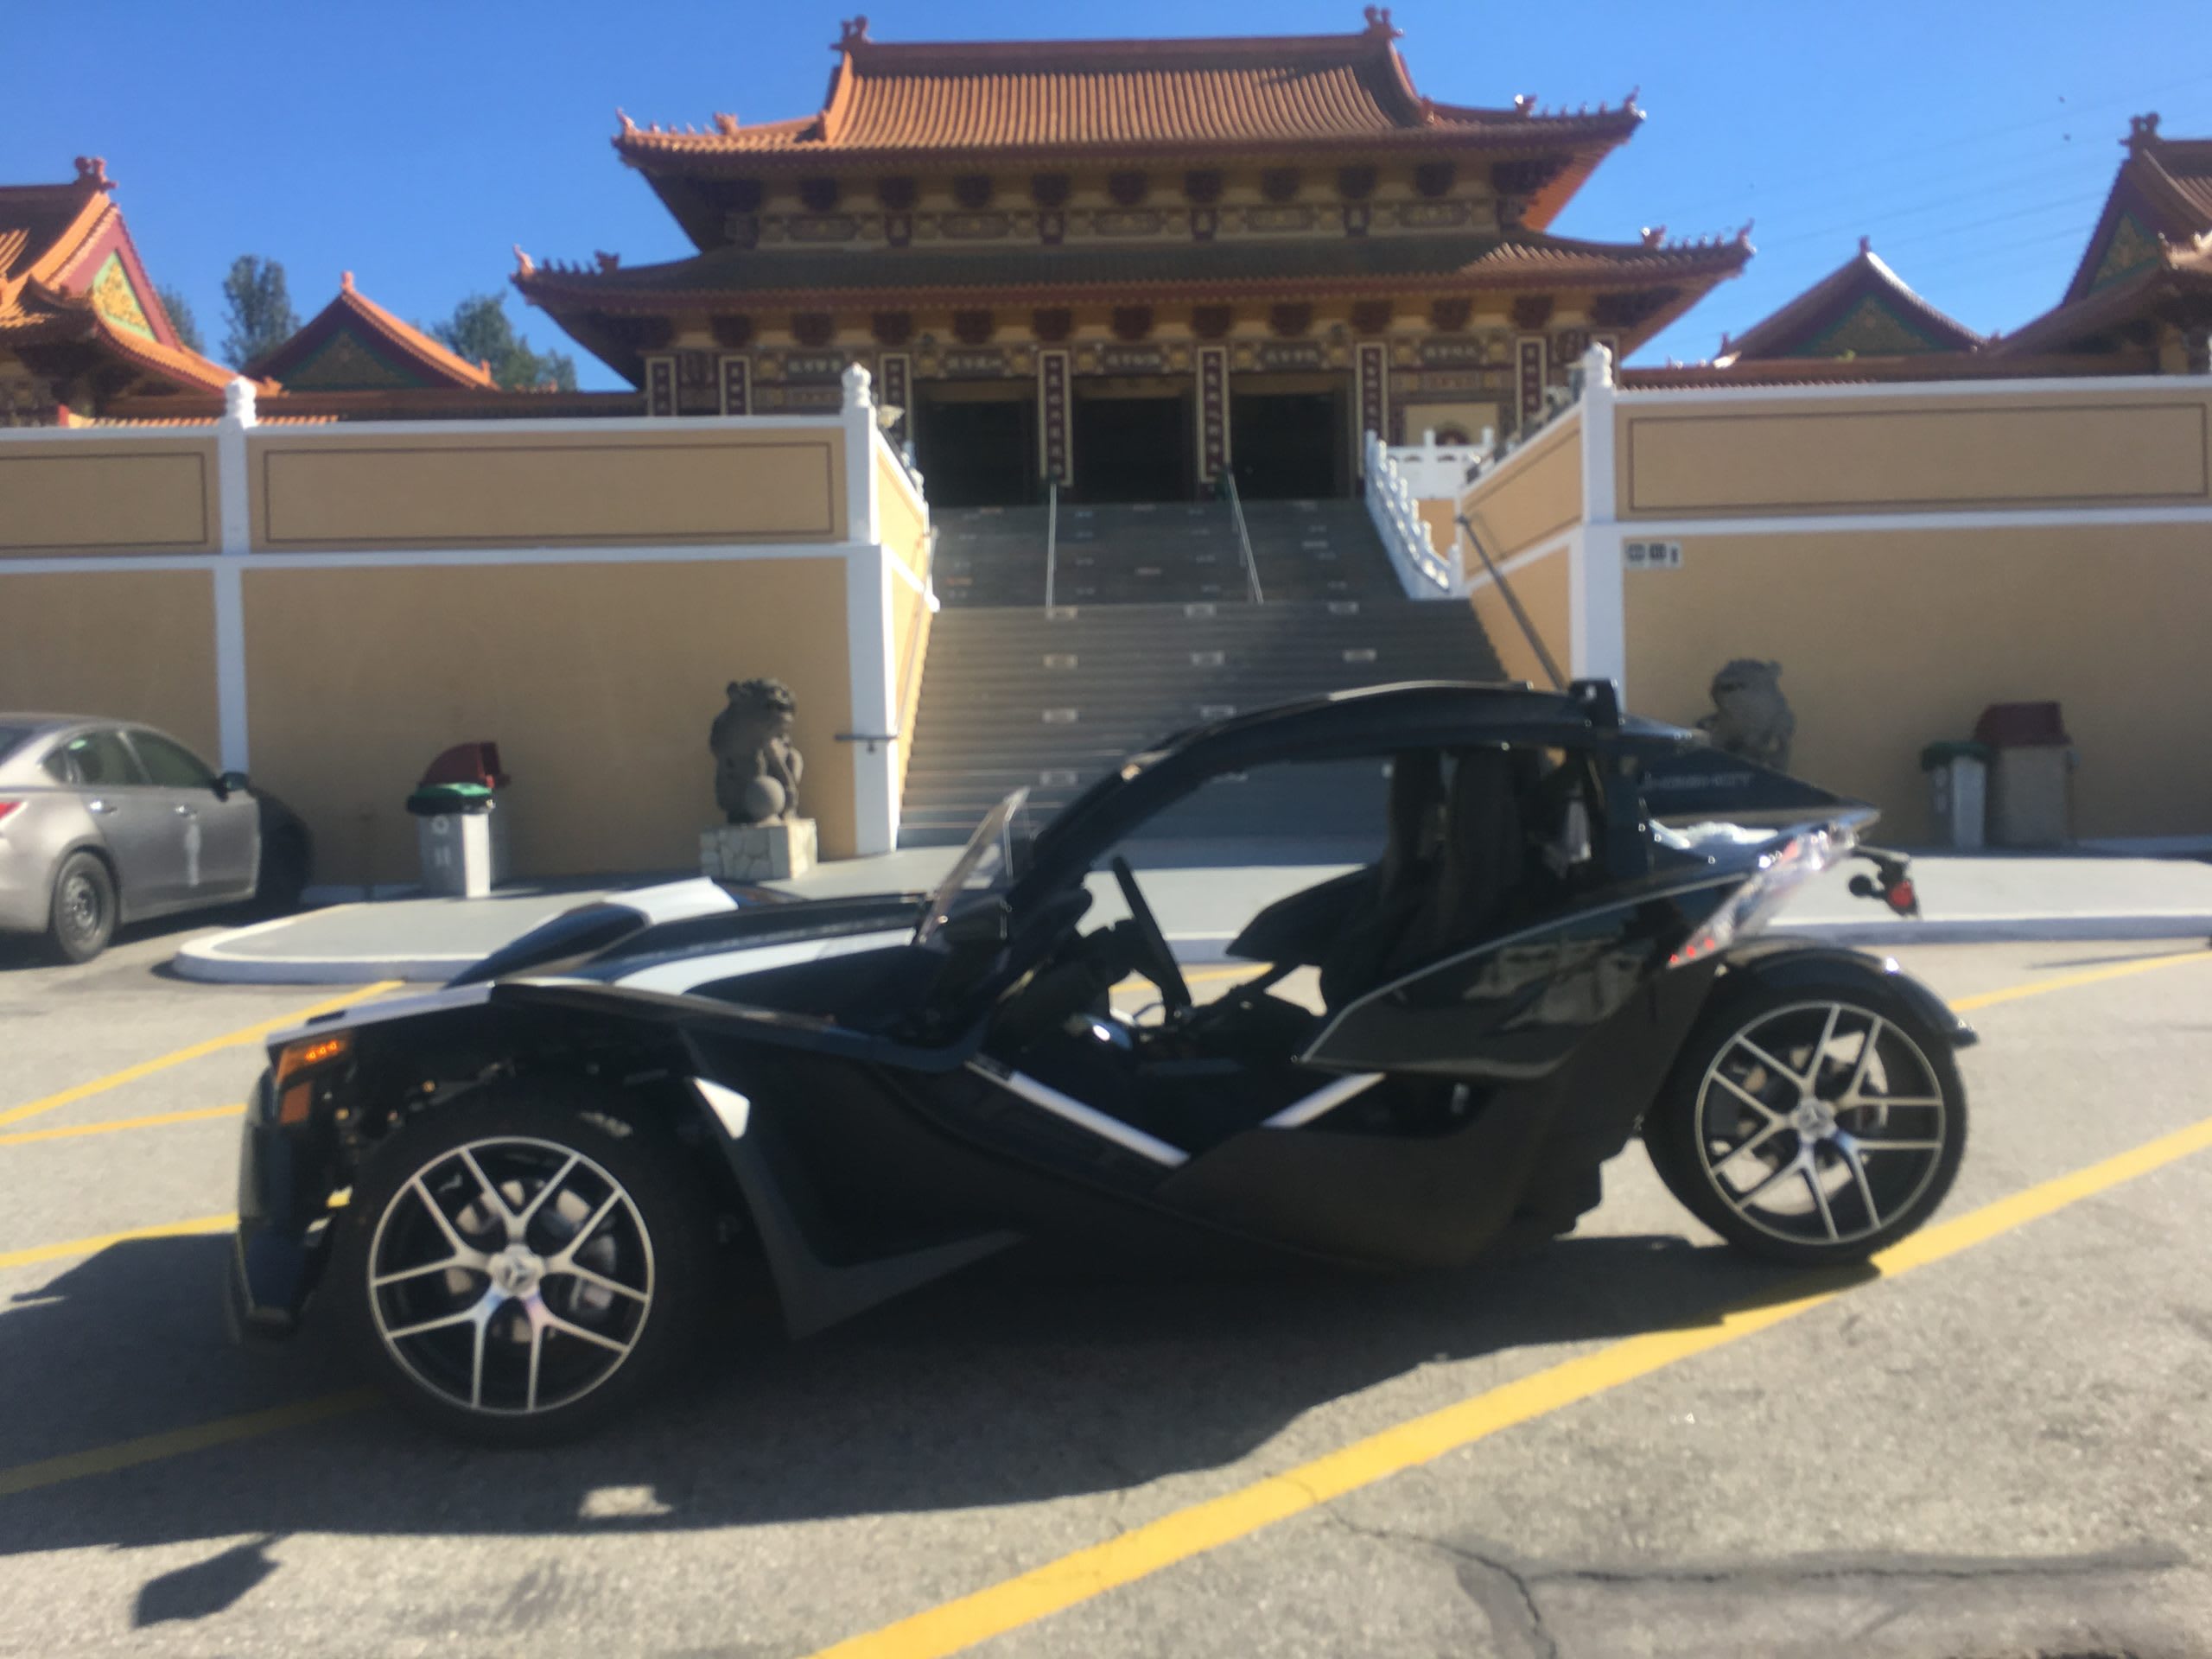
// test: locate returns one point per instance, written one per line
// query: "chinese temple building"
(355, 344)
(80, 322)
(1125, 266)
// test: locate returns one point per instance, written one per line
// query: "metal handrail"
(1513, 604)
(1243, 536)
(1052, 534)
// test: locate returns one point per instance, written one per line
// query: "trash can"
(2030, 774)
(1957, 793)
(460, 830)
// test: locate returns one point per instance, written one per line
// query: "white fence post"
(234, 507)
(1598, 627)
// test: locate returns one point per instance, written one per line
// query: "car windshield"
(11, 739)
(986, 864)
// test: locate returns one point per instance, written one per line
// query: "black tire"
(283, 876)
(1713, 1145)
(82, 920)
(670, 1209)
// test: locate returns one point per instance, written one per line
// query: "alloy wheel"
(510, 1275)
(1821, 1123)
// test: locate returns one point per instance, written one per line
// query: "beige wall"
(1533, 495)
(1543, 589)
(137, 495)
(2001, 447)
(900, 520)
(910, 633)
(131, 645)
(597, 681)
(1891, 639)
(1442, 520)
(354, 489)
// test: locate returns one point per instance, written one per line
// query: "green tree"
(479, 332)
(181, 319)
(257, 308)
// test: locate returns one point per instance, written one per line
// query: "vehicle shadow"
(1015, 1384)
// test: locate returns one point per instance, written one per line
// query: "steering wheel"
(1160, 966)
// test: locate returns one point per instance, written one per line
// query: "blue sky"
(415, 142)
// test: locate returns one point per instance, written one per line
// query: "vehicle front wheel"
(83, 921)
(518, 1268)
(1811, 1125)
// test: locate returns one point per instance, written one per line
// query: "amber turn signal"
(309, 1055)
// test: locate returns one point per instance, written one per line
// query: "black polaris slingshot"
(521, 1193)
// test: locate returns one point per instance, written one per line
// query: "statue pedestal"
(757, 852)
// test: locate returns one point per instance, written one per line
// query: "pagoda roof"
(71, 278)
(897, 103)
(811, 278)
(355, 344)
(1862, 308)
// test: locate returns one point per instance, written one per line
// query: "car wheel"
(1811, 1125)
(522, 1266)
(82, 918)
(283, 873)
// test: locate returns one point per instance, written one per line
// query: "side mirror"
(230, 784)
(978, 925)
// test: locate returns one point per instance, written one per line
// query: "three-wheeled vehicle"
(545, 1167)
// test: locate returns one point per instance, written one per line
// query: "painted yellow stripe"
(101, 1241)
(956, 1625)
(2068, 982)
(212, 1045)
(1198, 975)
(115, 1126)
(152, 1448)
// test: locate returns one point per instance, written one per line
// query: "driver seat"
(1480, 868)
(1399, 878)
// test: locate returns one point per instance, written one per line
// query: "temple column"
(1371, 384)
(660, 385)
(737, 384)
(1213, 413)
(1055, 452)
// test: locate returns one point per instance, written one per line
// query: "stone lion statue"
(1751, 718)
(756, 769)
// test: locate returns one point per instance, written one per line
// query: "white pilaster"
(872, 647)
(861, 507)
(234, 507)
(1599, 628)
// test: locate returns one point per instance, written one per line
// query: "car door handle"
(184, 812)
(99, 806)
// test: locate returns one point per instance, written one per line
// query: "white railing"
(1438, 472)
(1394, 509)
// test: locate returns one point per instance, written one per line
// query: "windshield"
(986, 864)
(11, 739)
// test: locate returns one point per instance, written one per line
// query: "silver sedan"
(104, 821)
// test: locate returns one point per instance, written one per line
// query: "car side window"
(169, 765)
(97, 757)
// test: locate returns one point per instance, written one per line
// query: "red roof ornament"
(629, 127)
(607, 261)
(1654, 235)
(726, 124)
(1378, 24)
(1525, 102)
(92, 169)
(2142, 130)
(852, 32)
(525, 265)
(1744, 234)
(1866, 244)
(346, 280)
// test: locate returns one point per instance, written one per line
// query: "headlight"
(1780, 874)
(296, 1064)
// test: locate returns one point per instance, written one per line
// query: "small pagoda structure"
(1127, 266)
(80, 322)
(355, 344)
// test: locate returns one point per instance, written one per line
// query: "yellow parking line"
(71, 1131)
(954, 1625)
(101, 1241)
(212, 1045)
(2068, 982)
(176, 1442)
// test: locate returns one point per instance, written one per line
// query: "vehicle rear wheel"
(283, 873)
(1811, 1125)
(82, 918)
(519, 1267)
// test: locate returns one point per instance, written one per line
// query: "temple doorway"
(976, 445)
(1289, 445)
(1133, 442)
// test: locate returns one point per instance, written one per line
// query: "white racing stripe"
(1067, 1107)
(680, 977)
(672, 902)
(1302, 1112)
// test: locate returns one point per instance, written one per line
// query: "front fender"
(1783, 962)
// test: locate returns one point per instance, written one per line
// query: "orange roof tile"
(1123, 97)
(416, 352)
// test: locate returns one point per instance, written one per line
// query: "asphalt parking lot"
(2000, 1444)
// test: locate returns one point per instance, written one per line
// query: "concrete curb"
(209, 961)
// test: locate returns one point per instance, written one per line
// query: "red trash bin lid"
(2021, 726)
